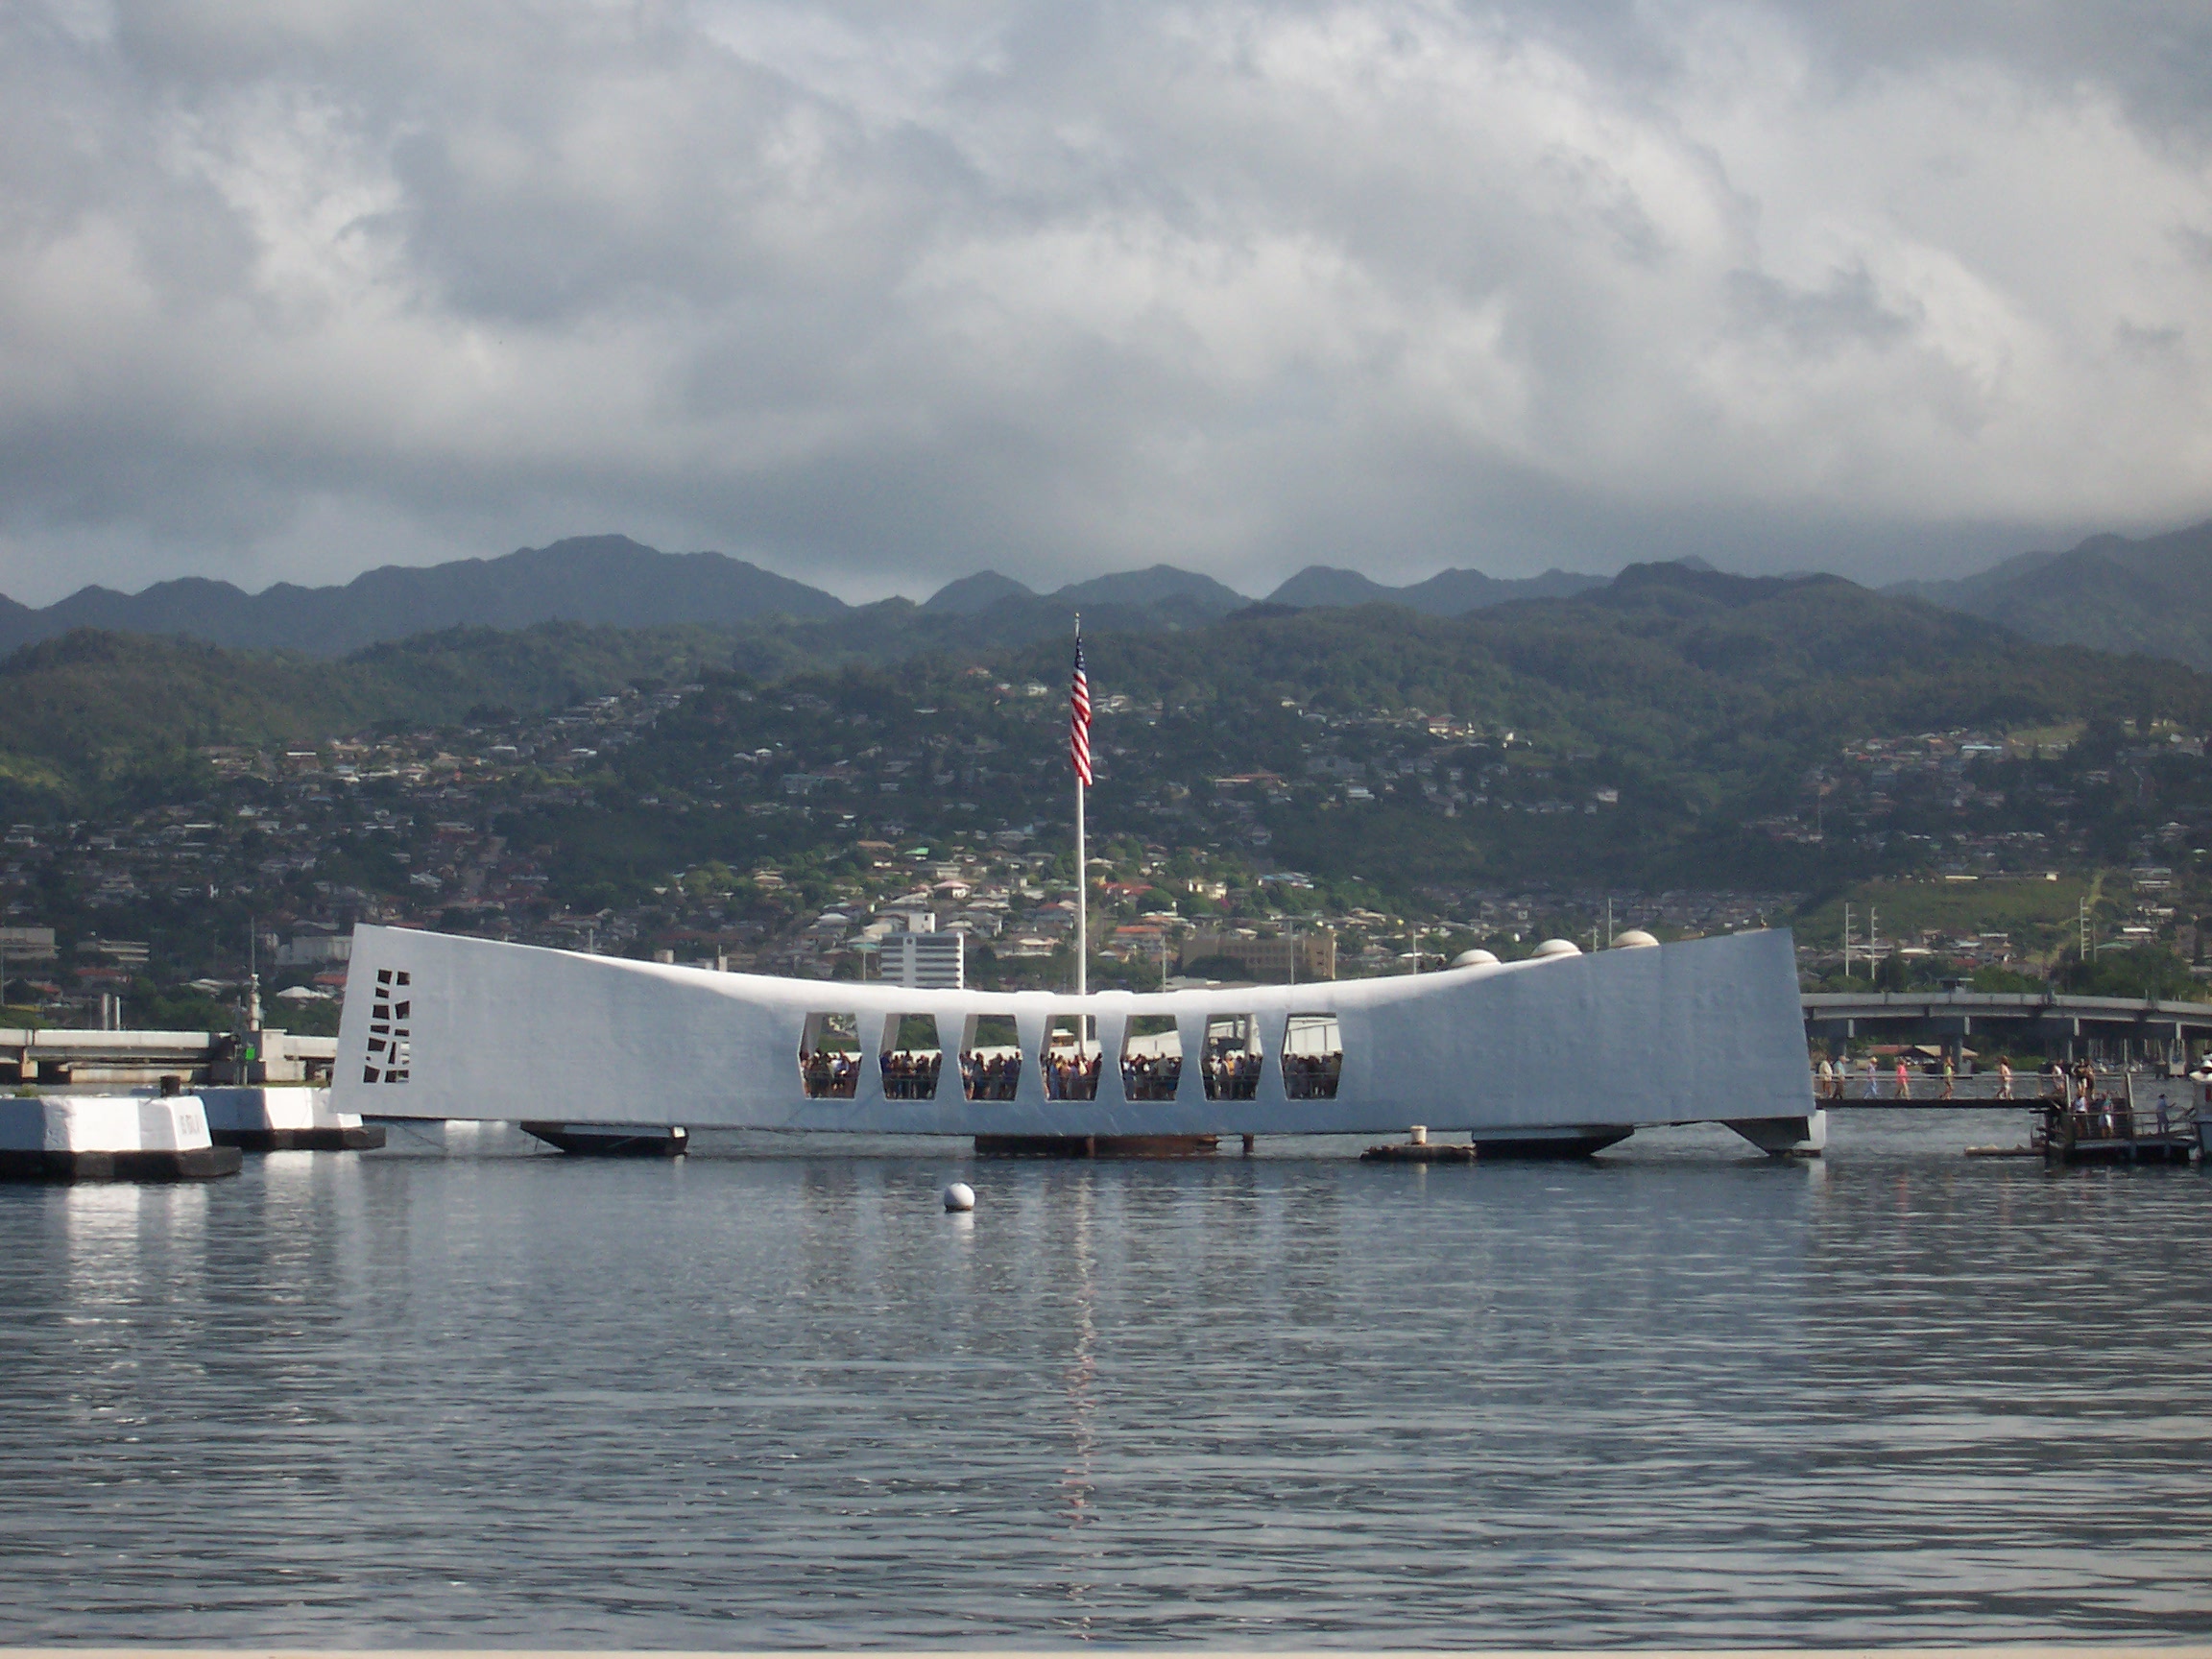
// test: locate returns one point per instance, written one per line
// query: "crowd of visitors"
(2072, 1095)
(1312, 1076)
(1234, 1075)
(2091, 1114)
(912, 1074)
(1070, 1076)
(1151, 1076)
(829, 1074)
(993, 1078)
(908, 1075)
(1831, 1079)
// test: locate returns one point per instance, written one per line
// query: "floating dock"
(2107, 1133)
(1422, 1152)
(2065, 1141)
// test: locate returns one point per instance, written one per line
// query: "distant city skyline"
(879, 299)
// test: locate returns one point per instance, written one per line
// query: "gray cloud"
(881, 295)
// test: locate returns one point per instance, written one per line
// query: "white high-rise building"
(930, 961)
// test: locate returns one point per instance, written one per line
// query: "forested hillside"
(2153, 595)
(1672, 727)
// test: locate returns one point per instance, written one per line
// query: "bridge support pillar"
(1785, 1137)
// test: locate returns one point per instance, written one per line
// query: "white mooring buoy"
(959, 1196)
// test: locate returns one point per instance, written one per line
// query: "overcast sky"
(878, 294)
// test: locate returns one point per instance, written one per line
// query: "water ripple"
(765, 1397)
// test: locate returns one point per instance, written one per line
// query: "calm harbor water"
(466, 1395)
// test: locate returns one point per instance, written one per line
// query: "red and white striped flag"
(1079, 718)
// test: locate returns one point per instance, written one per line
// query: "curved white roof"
(486, 1030)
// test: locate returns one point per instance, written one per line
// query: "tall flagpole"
(1082, 867)
(1082, 902)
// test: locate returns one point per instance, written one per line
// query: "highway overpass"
(2056, 1025)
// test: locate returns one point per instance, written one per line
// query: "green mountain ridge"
(2151, 597)
(612, 581)
(1703, 702)
(601, 580)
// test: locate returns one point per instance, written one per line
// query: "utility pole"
(1846, 939)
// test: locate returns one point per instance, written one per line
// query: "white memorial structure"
(1566, 1052)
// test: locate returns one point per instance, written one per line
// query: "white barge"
(1563, 1053)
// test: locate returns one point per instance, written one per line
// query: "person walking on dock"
(1870, 1078)
(1903, 1080)
(1950, 1075)
(2003, 1078)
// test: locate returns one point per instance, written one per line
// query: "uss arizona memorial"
(1563, 1053)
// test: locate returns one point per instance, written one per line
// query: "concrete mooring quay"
(168, 1135)
(109, 1137)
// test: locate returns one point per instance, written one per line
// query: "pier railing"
(1984, 1089)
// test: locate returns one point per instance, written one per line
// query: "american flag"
(1079, 718)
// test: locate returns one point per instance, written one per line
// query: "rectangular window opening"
(912, 1060)
(990, 1057)
(1313, 1056)
(1071, 1057)
(1151, 1058)
(830, 1056)
(1231, 1059)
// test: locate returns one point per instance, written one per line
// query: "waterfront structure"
(109, 1137)
(2052, 1023)
(284, 1120)
(926, 960)
(1272, 957)
(1564, 1052)
(308, 949)
(65, 1057)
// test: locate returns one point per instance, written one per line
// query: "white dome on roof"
(1476, 959)
(1559, 948)
(1633, 939)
